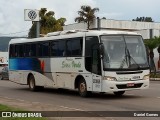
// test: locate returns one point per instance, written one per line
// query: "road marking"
(72, 108)
(46, 104)
(20, 100)
(129, 94)
(36, 102)
(7, 98)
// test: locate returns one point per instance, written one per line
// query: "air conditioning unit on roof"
(65, 32)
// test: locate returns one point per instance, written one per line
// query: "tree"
(48, 23)
(158, 50)
(143, 19)
(151, 44)
(104, 18)
(87, 15)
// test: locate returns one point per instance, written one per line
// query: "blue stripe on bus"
(25, 64)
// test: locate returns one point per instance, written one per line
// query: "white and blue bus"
(90, 61)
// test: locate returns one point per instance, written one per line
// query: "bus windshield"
(124, 52)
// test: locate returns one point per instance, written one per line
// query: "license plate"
(130, 84)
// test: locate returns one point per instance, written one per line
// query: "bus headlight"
(109, 78)
(146, 77)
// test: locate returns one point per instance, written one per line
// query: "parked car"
(4, 73)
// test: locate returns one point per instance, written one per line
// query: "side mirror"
(101, 49)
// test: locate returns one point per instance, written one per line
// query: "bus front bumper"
(113, 86)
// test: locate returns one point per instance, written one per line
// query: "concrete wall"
(147, 34)
(75, 26)
(140, 27)
(129, 25)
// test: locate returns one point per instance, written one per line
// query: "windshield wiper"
(127, 59)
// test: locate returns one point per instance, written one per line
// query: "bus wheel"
(82, 88)
(119, 93)
(32, 85)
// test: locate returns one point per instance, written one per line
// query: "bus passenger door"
(96, 69)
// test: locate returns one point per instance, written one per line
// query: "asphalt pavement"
(55, 100)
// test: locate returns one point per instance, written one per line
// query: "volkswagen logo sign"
(32, 14)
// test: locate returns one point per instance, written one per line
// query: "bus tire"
(119, 93)
(82, 88)
(32, 85)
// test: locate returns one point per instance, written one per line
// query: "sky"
(12, 11)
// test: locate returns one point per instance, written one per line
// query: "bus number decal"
(96, 81)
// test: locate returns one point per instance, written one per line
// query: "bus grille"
(125, 86)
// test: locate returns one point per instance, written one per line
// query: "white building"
(146, 29)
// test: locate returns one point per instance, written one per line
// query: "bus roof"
(71, 34)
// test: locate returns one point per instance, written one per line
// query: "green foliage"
(32, 31)
(143, 19)
(48, 23)
(86, 14)
(104, 18)
(152, 75)
(6, 108)
(152, 43)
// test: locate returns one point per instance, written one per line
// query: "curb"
(154, 79)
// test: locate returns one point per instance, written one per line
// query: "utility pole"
(37, 29)
(98, 23)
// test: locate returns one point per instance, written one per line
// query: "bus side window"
(61, 48)
(27, 50)
(45, 49)
(58, 48)
(33, 50)
(12, 51)
(54, 48)
(74, 47)
(40, 49)
(16, 50)
(77, 46)
(20, 51)
(69, 48)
